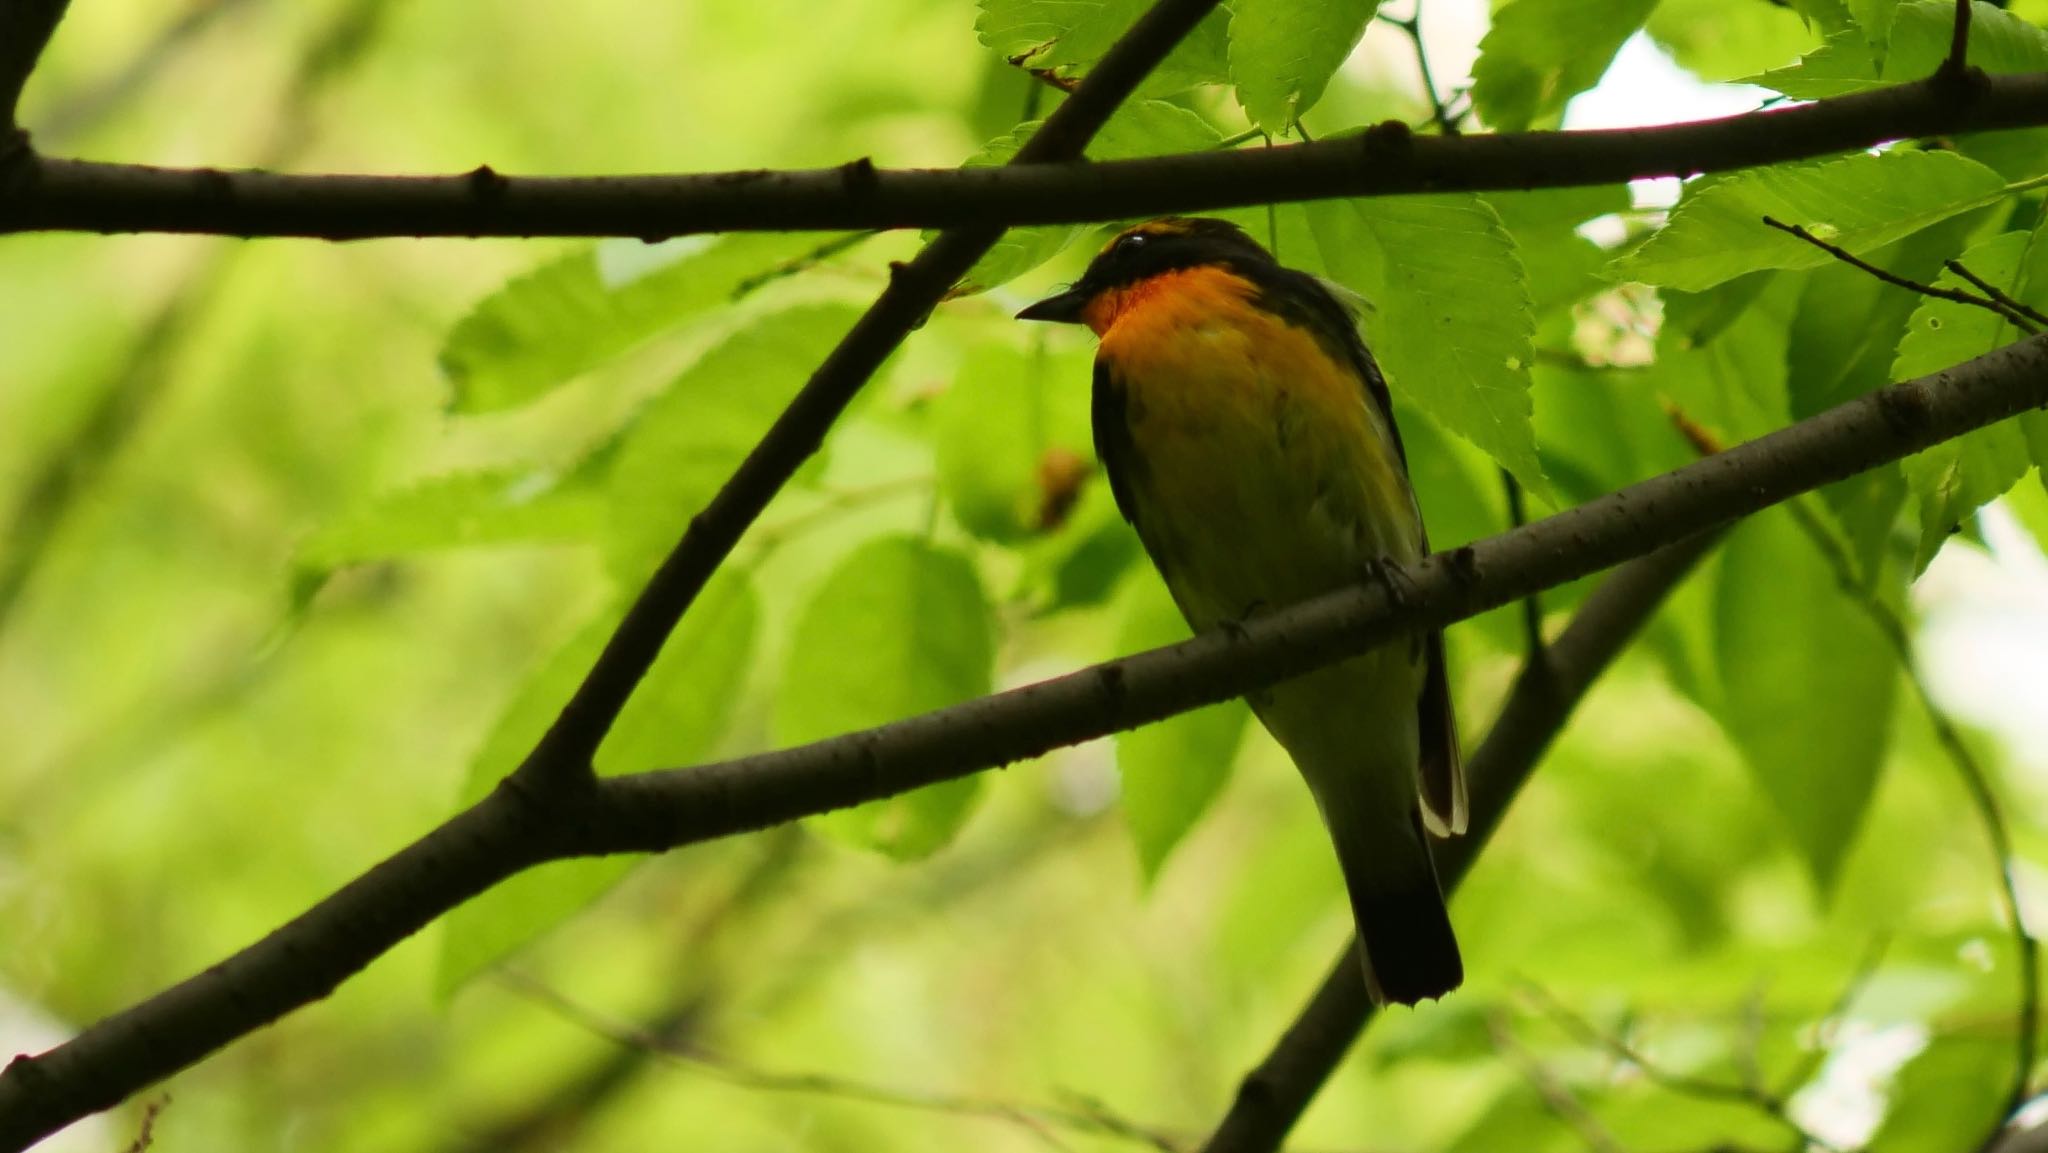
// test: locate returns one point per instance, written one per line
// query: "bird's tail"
(1404, 931)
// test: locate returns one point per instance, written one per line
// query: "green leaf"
(1717, 41)
(461, 510)
(1541, 53)
(1563, 266)
(2000, 42)
(1173, 770)
(1858, 203)
(577, 312)
(1139, 128)
(1953, 1088)
(1955, 478)
(1283, 53)
(1874, 18)
(1064, 36)
(901, 627)
(689, 441)
(675, 717)
(1448, 313)
(1807, 684)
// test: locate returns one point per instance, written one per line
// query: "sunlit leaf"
(1953, 479)
(2000, 42)
(1563, 266)
(578, 311)
(1717, 42)
(900, 627)
(1807, 684)
(1283, 53)
(1858, 203)
(1173, 770)
(462, 510)
(675, 717)
(1541, 53)
(689, 441)
(1448, 313)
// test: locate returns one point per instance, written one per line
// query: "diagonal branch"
(25, 28)
(1272, 1096)
(564, 753)
(74, 195)
(513, 828)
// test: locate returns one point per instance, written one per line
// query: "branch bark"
(73, 195)
(1272, 1096)
(514, 827)
(564, 753)
(25, 28)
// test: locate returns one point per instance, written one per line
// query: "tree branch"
(73, 195)
(1957, 64)
(564, 753)
(1272, 1096)
(514, 828)
(25, 28)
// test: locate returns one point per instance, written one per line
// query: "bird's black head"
(1148, 250)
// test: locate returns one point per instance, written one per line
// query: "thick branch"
(25, 27)
(564, 754)
(1272, 1096)
(73, 195)
(508, 831)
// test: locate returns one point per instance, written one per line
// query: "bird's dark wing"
(1113, 444)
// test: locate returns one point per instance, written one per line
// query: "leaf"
(901, 627)
(1807, 684)
(1173, 770)
(578, 311)
(2000, 42)
(1717, 41)
(1563, 266)
(1448, 317)
(462, 510)
(1874, 18)
(690, 439)
(1955, 478)
(1948, 1089)
(1541, 53)
(1858, 203)
(1064, 36)
(1139, 128)
(1283, 53)
(675, 717)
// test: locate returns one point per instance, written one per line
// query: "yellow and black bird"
(1249, 438)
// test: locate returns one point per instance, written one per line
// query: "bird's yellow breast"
(1261, 472)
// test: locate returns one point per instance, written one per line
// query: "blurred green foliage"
(339, 527)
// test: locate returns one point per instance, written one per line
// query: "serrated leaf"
(1541, 53)
(675, 717)
(1448, 317)
(463, 510)
(1955, 478)
(1139, 128)
(1850, 61)
(1065, 36)
(578, 311)
(1563, 266)
(1806, 686)
(1874, 18)
(1858, 203)
(690, 439)
(1173, 770)
(1283, 53)
(901, 627)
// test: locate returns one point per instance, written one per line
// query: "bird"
(1248, 437)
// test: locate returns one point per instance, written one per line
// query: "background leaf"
(899, 628)
(1541, 53)
(1283, 53)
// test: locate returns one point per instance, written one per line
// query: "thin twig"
(1556, 1095)
(1035, 1118)
(25, 29)
(1958, 61)
(1954, 294)
(1439, 109)
(1532, 606)
(1997, 294)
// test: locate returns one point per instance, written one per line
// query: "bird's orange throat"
(1206, 286)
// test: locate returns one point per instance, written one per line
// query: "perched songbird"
(1249, 439)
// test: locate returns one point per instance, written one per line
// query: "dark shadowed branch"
(564, 753)
(25, 28)
(516, 827)
(52, 194)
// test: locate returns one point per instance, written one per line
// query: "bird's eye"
(1131, 242)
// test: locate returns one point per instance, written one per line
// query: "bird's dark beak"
(1062, 309)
